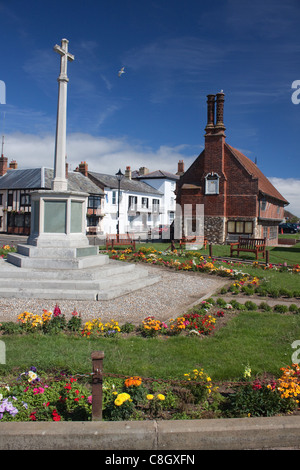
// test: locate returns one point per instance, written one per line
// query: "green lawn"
(262, 340)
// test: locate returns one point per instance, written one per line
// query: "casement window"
(132, 203)
(10, 199)
(25, 199)
(263, 204)
(94, 202)
(92, 221)
(114, 197)
(212, 183)
(145, 203)
(239, 227)
(155, 205)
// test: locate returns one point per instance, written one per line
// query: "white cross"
(65, 56)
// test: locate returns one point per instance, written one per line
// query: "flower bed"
(198, 321)
(34, 396)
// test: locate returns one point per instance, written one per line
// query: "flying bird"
(121, 71)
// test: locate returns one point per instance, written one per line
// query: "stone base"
(68, 273)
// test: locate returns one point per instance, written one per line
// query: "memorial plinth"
(57, 262)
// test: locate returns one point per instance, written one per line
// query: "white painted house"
(165, 183)
(139, 204)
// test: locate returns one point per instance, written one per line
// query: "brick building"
(237, 198)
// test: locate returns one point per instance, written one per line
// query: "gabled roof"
(40, 178)
(264, 185)
(155, 174)
(131, 185)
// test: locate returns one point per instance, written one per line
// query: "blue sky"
(174, 54)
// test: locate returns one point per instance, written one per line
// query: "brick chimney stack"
(3, 160)
(180, 170)
(219, 127)
(13, 165)
(83, 168)
(210, 114)
(3, 165)
(215, 135)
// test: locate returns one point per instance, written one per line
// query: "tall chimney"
(180, 170)
(210, 114)
(3, 160)
(128, 172)
(220, 111)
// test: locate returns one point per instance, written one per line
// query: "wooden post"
(210, 250)
(267, 256)
(97, 369)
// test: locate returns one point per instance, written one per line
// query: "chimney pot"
(210, 113)
(220, 111)
(180, 170)
(128, 172)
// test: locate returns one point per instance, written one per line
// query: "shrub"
(248, 290)
(257, 400)
(250, 305)
(237, 305)
(127, 327)
(281, 308)
(75, 322)
(285, 292)
(262, 291)
(221, 302)
(293, 308)
(274, 292)
(10, 328)
(264, 306)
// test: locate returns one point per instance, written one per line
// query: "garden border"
(274, 433)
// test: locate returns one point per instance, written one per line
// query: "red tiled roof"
(264, 185)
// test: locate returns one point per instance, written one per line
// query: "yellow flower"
(150, 397)
(161, 397)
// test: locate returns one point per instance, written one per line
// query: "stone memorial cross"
(60, 183)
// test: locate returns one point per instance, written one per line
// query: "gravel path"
(170, 297)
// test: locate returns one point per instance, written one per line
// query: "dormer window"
(212, 183)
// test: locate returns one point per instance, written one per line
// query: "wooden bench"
(189, 240)
(118, 240)
(253, 245)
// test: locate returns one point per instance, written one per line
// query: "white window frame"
(209, 187)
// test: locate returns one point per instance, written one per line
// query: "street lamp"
(119, 176)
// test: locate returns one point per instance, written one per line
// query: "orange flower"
(133, 382)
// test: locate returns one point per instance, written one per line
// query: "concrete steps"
(51, 274)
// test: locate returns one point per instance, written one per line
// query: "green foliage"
(250, 305)
(281, 308)
(256, 400)
(10, 328)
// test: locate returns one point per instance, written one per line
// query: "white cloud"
(290, 189)
(103, 155)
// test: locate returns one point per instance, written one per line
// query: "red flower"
(55, 416)
(32, 416)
